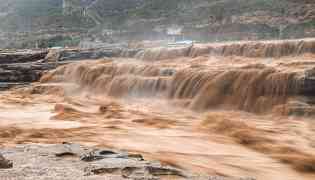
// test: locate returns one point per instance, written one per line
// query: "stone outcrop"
(20, 67)
(8, 57)
(68, 55)
(72, 161)
(309, 83)
(4, 163)
(23, 73)
(28, 66)
(64, 55)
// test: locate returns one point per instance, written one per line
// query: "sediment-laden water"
(227, 114)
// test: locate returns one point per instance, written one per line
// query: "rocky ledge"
(72, 161)
(20, 67)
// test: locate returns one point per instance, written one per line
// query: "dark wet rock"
(103, 154)
(72, 55)
(136, 156)
(98, 155)
(18, 74)
(61, 55)
(22, 67)
(4, 163)
(29, 66)
(23, 72)
(168, 72)
(8, 85)
(21, 57)
(308, 87)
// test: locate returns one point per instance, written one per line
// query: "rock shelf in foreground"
(72, 161)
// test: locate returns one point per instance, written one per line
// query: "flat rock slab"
(72, 161)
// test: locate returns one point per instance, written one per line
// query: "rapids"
(227, 114)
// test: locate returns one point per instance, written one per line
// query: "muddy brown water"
(204, 114)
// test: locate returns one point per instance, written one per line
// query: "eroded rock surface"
(4, 163)
(63, 55)
(8, 57)
(73, 161)
(19, 67)
(25, 66)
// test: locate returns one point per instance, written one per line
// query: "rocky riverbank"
(19, 67)
(73, 162)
